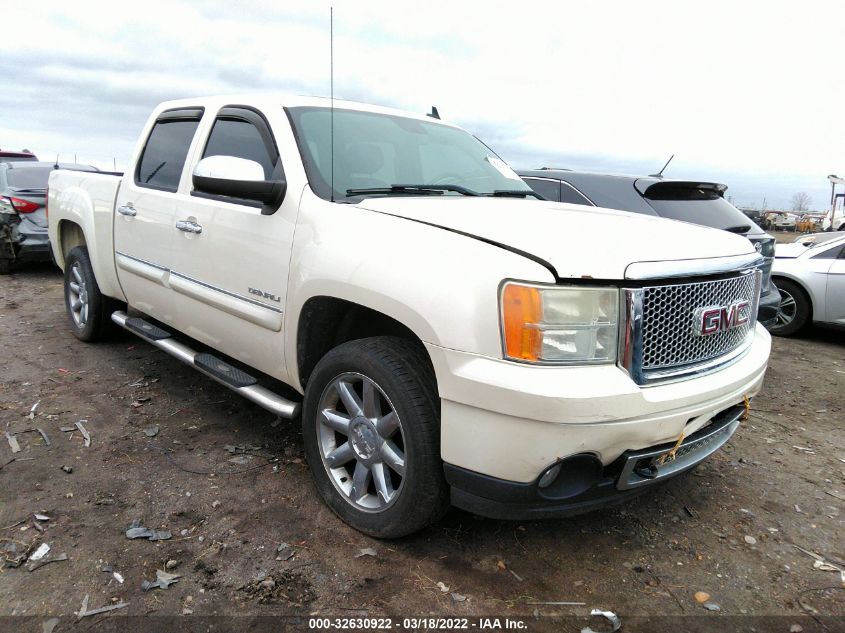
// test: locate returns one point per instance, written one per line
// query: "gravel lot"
(179, 453)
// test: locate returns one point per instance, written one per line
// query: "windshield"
(29, 178)
(379, 151)
(824, 240)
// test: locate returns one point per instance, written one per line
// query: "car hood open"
(578, 242)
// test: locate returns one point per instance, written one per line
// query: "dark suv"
(689, 201)
(11, 157)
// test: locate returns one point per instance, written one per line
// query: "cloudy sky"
(747, 93)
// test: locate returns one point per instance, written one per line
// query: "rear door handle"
(188, 227)
(127, 209)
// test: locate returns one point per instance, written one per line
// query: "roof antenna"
(331, 90)
(434, 114)
(56, 166)
(660, 173)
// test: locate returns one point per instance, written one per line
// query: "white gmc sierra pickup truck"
(453, 337)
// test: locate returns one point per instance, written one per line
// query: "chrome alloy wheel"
(787, 309)
(77, 295)
(361, 442)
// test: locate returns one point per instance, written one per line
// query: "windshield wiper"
(515, 193)
(411, 190)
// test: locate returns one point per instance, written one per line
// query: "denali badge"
(266, 295)
(714, 319)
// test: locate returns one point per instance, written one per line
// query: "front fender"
(442, 286)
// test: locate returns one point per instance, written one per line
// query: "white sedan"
(811, 278)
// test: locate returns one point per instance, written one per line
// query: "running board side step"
(235, 379)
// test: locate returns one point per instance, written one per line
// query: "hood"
(790, 251)
(579, 242)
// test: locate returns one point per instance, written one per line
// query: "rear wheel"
(371, 429)
(793, 311)
(88, 310)
(5, 266)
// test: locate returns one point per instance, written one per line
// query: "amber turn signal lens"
(523, 312)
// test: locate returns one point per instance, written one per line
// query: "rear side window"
(549, 189)
(166, 150)
(243, 133)
(568, 193)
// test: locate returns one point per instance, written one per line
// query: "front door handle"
(127, 209)
(188, 227)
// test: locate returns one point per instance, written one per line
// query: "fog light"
(570, 477)
(549, 476)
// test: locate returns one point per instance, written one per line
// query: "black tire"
(403, 373)
(98, 324)
(5, 266)
(794, 311)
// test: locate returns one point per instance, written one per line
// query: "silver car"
(23, 216)
(811, 278)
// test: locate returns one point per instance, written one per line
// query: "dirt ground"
(231, 486)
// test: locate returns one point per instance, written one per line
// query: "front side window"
(164, 154)
(380, 151)
(237, 137)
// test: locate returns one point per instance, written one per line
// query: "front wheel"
(793, 311)
(371, 430)
(88, 310)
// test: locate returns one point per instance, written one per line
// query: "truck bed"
(87, 199)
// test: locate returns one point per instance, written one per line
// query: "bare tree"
(800, 201)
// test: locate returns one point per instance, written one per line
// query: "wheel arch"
(327, 321)
(801, 286)
(70, 236)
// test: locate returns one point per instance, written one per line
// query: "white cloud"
(745, 93)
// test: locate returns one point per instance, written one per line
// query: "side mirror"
(237, 178)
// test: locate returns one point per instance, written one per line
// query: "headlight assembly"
(559, 325)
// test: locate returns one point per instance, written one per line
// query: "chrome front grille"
(664, 338)
(669, 329)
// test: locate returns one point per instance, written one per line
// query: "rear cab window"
(166, 150)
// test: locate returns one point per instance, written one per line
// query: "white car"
(450, 336)
(810, 275)
(782, 221)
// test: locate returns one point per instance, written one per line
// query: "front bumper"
(511, 421)
(573, 492)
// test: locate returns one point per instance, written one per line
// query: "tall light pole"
(834, 180)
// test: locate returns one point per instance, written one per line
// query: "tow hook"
(648, 471)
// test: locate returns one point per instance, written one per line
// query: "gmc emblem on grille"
(714, 319)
